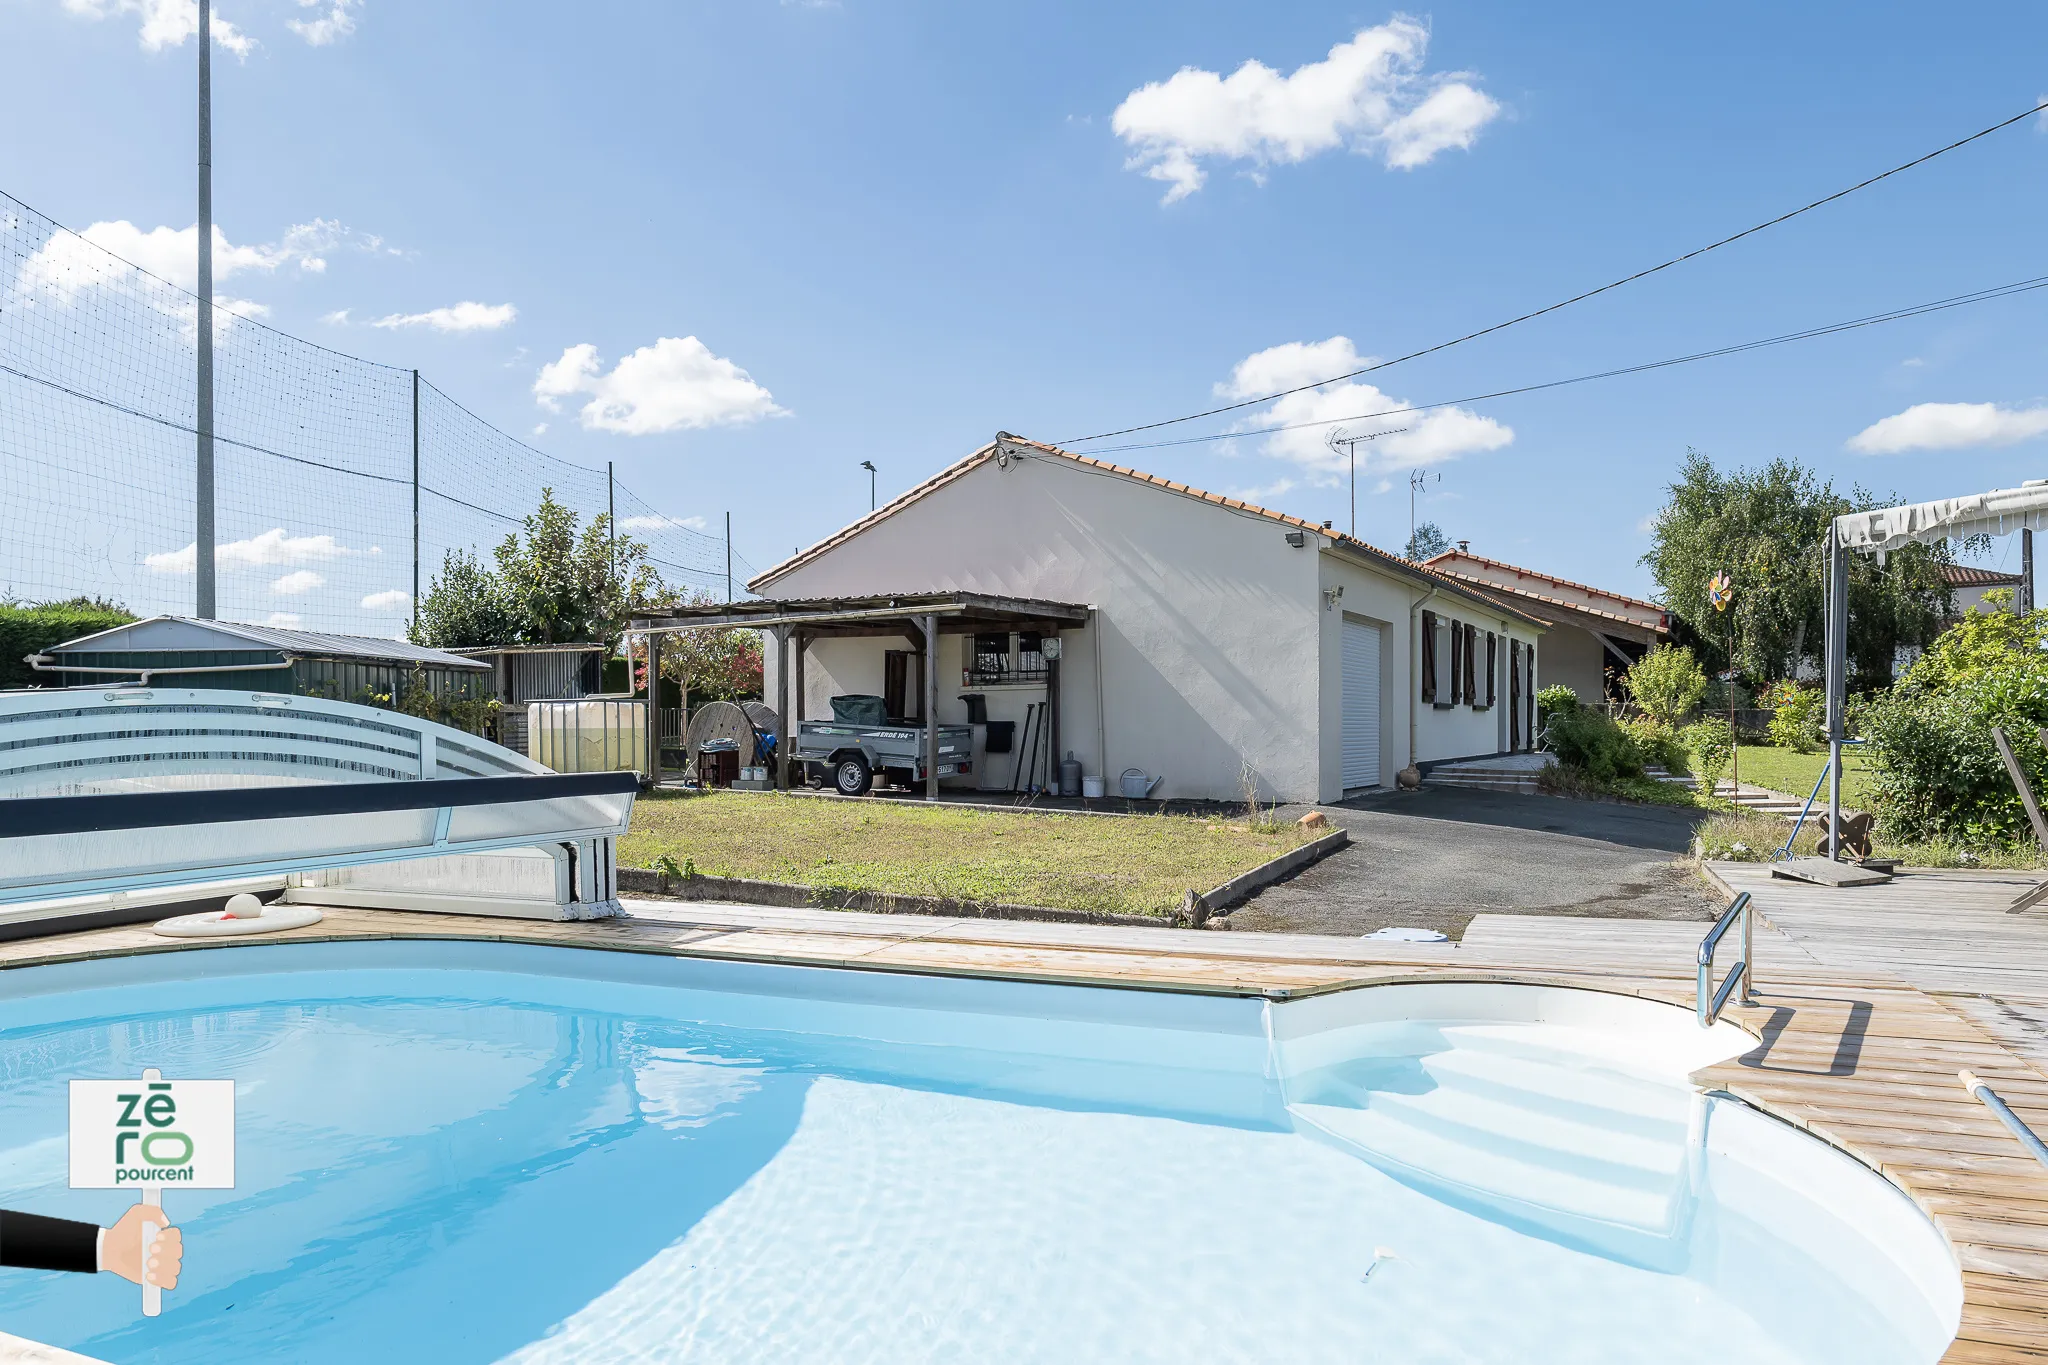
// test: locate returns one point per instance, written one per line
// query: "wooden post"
(782, 681)
(653, 707)
(930, 624)
(795, 719)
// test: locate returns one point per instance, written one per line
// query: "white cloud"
(1264, 493)
(330, 27)
(68, 265)
(287, 620)
(1370, 95)
(391, 599)
(457, 317)
(673, 385)
(1950, 426)
(1429, 437)
(661, 523)
(297, 583)
(337, 318)
(272, 549)
(166, 23)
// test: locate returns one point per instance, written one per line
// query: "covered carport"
(793, 625)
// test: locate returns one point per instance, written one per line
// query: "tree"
(554, 582)
(1667, 683)
(713, 665)
(465, 608)
(1428, 541)
(1765, 528)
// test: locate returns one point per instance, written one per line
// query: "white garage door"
(1361, 705)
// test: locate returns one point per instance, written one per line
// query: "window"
(1457, 662)
(992, 661)
(1429, 656)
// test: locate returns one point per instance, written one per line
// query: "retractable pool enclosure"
(1996, 513)
(120, 797)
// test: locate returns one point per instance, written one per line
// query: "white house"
(1219, 634)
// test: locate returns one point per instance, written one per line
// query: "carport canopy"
(1996, 513)
(922, 617)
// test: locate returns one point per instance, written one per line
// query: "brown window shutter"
(1492, 667)
(1457, 662)
(1429, 656)
(1471, 656)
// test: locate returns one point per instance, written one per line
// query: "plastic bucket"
(1091, 788)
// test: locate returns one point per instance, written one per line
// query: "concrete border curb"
(1240, 889)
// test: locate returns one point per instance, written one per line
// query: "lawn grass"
(1747, 836)
(1137, 865)
(1794, 773)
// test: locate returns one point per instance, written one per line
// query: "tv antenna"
(1339, 437)
(1416, 479)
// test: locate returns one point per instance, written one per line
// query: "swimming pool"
(492, 1152)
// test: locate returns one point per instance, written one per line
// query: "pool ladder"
(1710, 1001)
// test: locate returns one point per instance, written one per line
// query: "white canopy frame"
(1996, 513)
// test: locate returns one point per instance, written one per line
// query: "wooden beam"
(931, 707)
(787, 741)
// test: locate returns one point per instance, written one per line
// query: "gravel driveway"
(1432, 859)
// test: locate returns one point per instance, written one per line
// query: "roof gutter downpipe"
(1411, 776)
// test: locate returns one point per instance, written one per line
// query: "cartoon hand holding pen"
(31, 1241)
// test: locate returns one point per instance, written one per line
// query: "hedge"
(26, 630)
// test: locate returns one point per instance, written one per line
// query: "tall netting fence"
(314, 458)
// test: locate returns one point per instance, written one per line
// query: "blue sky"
(824, 233)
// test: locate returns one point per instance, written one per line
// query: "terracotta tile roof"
(1963, 576)
(1434, 561)
(1562, 603)
(1381, 558)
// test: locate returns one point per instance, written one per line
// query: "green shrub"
(31, 628)
(1798, 715)
(1667, 683)
(1658, 743)
(1555, 700)
(1936, 773)
(1593, 744)
(1712, 745)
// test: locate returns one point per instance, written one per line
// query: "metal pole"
(653, 707)
(611, 522)
(1354, 490)
(2026, 602)
(1838, 683)
(204, 537)
(415, 502)
(728, 557)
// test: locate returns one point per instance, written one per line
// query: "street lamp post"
(869, 466)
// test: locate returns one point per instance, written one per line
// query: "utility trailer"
(857, 744)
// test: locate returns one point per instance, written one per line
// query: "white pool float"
(245, 915)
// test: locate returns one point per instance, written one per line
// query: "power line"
(1895, 315)
(1576, 298)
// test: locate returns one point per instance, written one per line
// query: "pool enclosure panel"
(105, 793)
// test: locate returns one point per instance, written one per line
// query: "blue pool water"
(474, 1152)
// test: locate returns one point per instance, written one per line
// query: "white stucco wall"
(1209, 620)
(1576, 659)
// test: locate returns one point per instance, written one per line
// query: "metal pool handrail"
(1709, 1007)
(2012, 1121)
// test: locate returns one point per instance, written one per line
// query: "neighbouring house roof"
(1006, 445)
(177, 633)
(1964, 576)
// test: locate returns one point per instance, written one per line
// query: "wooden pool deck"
(1868, 1005)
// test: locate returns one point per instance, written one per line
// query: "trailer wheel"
(851, 776)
